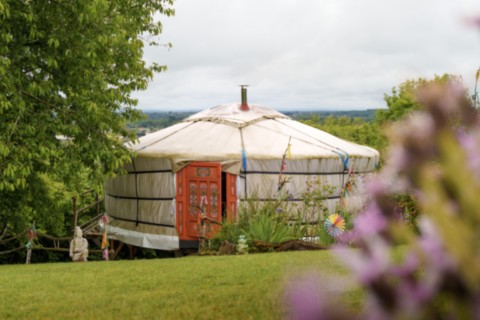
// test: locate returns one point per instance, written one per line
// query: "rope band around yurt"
(136, 192)
(137, 222)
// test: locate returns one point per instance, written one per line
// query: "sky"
(307, 54)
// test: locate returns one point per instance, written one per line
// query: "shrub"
(265, 228)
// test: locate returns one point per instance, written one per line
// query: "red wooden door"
(199, 200)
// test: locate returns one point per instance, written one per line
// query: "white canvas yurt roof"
(221, 133)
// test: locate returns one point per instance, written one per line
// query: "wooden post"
(29, 255)
(117, 250)
(132, 252)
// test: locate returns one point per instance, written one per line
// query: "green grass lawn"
(214, 287)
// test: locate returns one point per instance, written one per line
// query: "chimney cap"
(244, 106)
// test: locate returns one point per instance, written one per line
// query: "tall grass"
(264, 228)
(219, 287)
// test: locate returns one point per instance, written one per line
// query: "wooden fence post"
(29, 255)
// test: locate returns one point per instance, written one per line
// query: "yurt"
(204, 167)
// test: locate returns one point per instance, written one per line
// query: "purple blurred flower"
(413, 293)
(432, 245)
(419, 128)
(408, 267)
(429, 273)
(470, 143)
(366, 265)
(370, 222)
(385, 184)
(476, 306)
(412, 289)
(376, 187)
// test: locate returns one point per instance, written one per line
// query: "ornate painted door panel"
(199, 199)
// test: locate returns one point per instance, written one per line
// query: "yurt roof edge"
(225, 133)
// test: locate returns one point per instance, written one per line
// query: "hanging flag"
(347, 188)
(105, 254)
(286, 154)
(104, 221)
(244, 160)
(104, 241)
(283, 166)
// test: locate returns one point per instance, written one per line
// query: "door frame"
(209, 174)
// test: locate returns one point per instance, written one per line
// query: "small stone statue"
(242, 246)
(79, 247)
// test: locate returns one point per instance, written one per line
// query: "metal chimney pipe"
(244, 106)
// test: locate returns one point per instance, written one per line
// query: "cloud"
(307, 54)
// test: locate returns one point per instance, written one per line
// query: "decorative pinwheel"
(335, 225)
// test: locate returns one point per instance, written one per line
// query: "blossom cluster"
(434, 272)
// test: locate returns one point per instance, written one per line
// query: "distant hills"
(365, 115)
(156, 120)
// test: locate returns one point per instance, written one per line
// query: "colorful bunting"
(347, 188)
(103, 223)
(244, 160)
(287, 154)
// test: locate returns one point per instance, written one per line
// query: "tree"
(404, 99)
(402, 102)
(348, 128)
(67, 71)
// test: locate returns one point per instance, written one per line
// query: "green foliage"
(401, 102)
(265, 229)
(229, 232)
(364, 131)
(156, 120)
(408, 206)
(404, 98)
(67, 71)
(265, 221)
(323, 237)
(280, 220)
(364, 115)
(159, 120)
(351, 129)
(314, 208)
